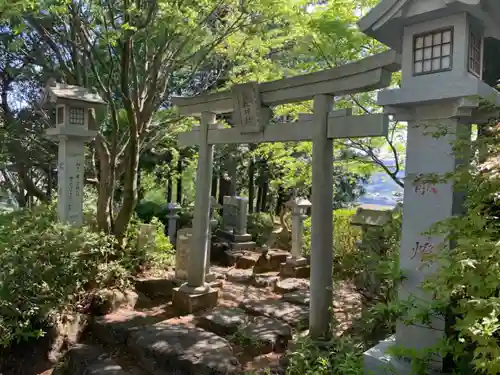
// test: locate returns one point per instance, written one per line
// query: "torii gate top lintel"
(368, 74)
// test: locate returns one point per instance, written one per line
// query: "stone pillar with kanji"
(74, 108)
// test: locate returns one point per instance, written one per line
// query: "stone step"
(271, 261)
(87, 360)
(290, 285)
(294, 315)
(166, 348)
(299, 297)
(258, 335)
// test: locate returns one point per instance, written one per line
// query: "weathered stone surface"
(291, 270)
(267, 334)
(290, 284)
(109, 300)
(223, 321)
(240, 276)
(166, 349)
(300, 297)
(87, 360)
(294, 315)
(186, 303)
(114, 332)
(247, 260)
(276, 257)
(160, 288)
(264, 280)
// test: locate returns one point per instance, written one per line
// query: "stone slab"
(299, 297)
(267, 335)
(376, 361)
(186, 303)
(249, 245)
(234, 237)
(240, 276)
(247, 260)
(294, 315)
(264, 280)
(276, 257)
(223, 321)
(87, 360)
(159, 288)
(290, 285)
(164, 348)
(290, 270)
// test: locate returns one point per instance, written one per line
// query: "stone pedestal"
(187, 300)
(237, 241)
(425, 203)
(300, 270)
(379, 362)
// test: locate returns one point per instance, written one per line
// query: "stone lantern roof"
(386, 21)
(60, 92)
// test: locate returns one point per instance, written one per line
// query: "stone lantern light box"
(73, 106)
(441, 42)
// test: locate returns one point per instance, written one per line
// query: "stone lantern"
(442, 48)
(74, 126)
(297, 265)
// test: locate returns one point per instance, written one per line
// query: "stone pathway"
(249, 330)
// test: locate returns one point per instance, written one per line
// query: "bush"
(345, 235)
(340, 356)
(48, 267)
(260, 225)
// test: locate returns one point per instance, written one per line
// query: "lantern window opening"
(60, 115)
(475, 53)
(76, 116)
(433, 52)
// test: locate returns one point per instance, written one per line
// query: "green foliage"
(47, 268)
(345, 235)
(340, 356)
(260, 225)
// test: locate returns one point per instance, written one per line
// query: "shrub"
(340, 356)
(48, 267)
(345, 236)
(260, 225)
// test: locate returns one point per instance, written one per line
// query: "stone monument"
(73, 107)
(183, 245)
(441, 43)
(297, 265)
(234, 223)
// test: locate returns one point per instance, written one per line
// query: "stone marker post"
(74, 108)
(183, 245)
(173, 216)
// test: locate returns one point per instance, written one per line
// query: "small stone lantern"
(74, 126)
(299, 207)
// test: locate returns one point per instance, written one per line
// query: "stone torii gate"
(250, 104)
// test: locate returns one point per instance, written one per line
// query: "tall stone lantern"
(73, 106)
(442, 48)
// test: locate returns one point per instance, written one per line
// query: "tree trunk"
(259, 198)
(251, 185)
(279, 201)
(169, 189)
(130, 193)
(215, 182)
(178, 195)
(265, 189)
